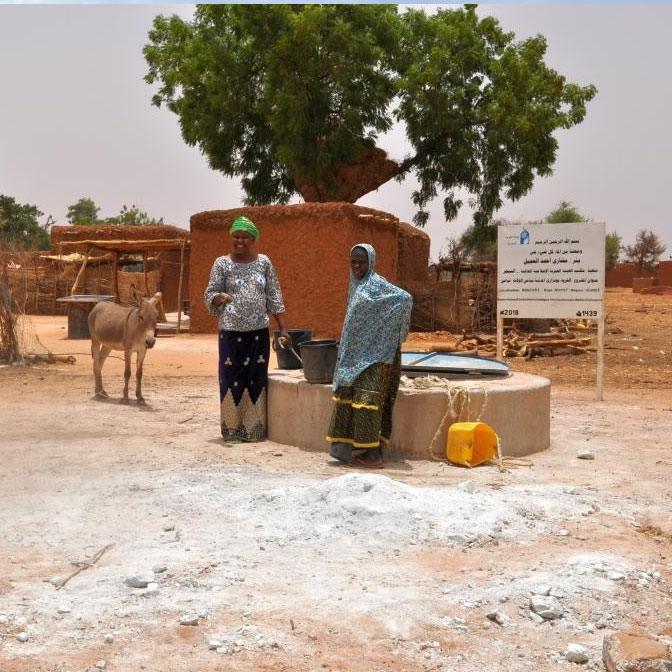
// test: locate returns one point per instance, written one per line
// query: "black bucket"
(319, 360)
(286, 358)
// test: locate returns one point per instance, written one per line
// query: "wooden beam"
(179, 289)
(81, 270)
(115, 278)
(144, 272)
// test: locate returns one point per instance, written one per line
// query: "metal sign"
(551, 270)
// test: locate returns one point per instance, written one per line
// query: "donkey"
(131, 329)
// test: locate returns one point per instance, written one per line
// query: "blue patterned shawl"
(376, 323)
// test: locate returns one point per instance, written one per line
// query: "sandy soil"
(293, 563)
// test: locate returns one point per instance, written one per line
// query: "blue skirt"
(243, 384)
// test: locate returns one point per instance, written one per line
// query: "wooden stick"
(115, 278)
(81, 270)
(144, 272)
(82, 565)
(179, 289)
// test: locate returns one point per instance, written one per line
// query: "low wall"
(517, 407)
(309, 244)
(638, 284)
(621, 275)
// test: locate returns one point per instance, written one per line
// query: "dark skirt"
(362, 415)
(243, 381)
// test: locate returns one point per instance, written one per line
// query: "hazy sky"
(76, 119)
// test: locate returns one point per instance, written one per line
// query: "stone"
(547, 607)
(63, 609)
(23, 636)
(576, 653)
(585, 455)
(635, 652)
(159, 569)
(189, 619)
(109, 638)
(139, 580)
(497, 617)
(616, 576)
(101, 665)
(152, 590)
(215, 643)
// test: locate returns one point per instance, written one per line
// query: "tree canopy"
(565, 213)
(645, 251)
(293, 99)
(133, 216)
(19, 225)
(613, 245)
(85, 211)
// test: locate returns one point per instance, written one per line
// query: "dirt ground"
(288, 562)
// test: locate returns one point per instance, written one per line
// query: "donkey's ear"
(156, 299)
(135, 296)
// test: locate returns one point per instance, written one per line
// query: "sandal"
(373, 462)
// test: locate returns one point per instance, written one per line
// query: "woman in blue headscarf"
(368, 368)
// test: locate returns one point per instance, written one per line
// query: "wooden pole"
(115, 277)
(600, 358)
(500, 334)
(37, 286)
(81, 270)
(144, 271)
(179, 289)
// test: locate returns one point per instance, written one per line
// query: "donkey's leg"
(97, 376)
(140, 358)
(104, 352)
(127, 373)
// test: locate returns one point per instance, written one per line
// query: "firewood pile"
(516, 343)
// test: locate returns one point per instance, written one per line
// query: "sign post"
(552, 271)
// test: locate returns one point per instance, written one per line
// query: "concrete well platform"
(517, 407)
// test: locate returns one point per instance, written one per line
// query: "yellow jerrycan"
(471, 443)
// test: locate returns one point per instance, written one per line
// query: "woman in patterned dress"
(368, 368)
(243, 291)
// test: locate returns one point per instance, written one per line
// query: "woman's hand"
(284, 338)
(221, 299)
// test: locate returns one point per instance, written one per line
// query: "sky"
(76, 119)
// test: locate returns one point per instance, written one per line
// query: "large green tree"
(20, 226)
(85, 211)
(293, 99)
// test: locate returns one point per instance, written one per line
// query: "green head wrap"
(242, 223)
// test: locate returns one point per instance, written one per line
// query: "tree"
(293, 98)
(645, 251)
(565, 213)
(613, 244)
(19, 225)
(479, 242)
(133, 216)
(85, 211)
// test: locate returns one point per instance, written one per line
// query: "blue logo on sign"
(524, 237)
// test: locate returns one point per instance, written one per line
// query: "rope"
(459, 407)
(455, 394)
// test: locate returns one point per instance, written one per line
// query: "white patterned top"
(254, 289)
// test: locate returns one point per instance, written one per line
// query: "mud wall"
(413, 253)
(112, 231)
(621, 275)
(309, 245)
(664, 274)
